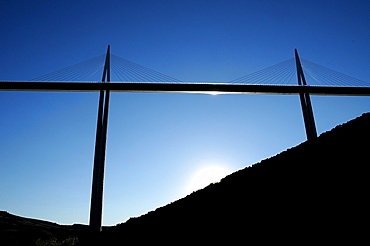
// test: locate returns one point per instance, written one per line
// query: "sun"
(205, 176)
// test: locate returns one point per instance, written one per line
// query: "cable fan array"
(90, 70)
(278, 74)
(127, 71)
(319, 75)
(285, 73)
(122, 70)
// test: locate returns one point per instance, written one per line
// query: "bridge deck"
(183, 87)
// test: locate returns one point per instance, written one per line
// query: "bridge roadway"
(182, 87)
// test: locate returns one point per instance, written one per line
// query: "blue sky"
(158, 142)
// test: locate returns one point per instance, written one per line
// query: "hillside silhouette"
(17, 230)
(315, 192)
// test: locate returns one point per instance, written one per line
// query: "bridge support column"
(96, 206)
(308, 118)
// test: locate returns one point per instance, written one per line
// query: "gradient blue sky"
(158, 142)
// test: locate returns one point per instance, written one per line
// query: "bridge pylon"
(96, 206)
(308, 117)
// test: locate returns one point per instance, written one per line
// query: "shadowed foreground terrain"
(315, 192)
(16, 230)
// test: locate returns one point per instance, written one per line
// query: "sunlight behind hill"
(206, 176)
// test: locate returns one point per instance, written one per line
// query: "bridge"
(184, 87)
(132, 77)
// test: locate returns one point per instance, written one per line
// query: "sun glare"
(206, 176)
(214, 93)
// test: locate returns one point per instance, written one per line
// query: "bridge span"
(183, 87)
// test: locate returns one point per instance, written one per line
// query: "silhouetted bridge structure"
(183, 87)
(136, 78)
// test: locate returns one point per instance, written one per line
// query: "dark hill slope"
(316, 191)
(20, 231)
